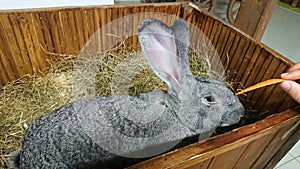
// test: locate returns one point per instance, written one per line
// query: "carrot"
(261, 84)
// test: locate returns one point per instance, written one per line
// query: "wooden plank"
(197, 24)
(3, 74)
(103, 20)
(244, 63)
(211, 35)
(279, 104)
(253, 151)
(110, 30)
(35, 49)
(116, 29)
(270, 103)
(287, 101)
(215, 58)
(73, 48)
(264, 19)
(205, 18)
(224, 35)
(133, 41)
(42, 40)
(167, 19)
(66, 40)
(261, 63)
(240, 55)
(134, 22)
(227, 160)
(264, 65)
(294, 137)
(208, 27)
(254, 15)
(55, 33)
(201, 165)
(231, 53)
(194, 40)
(215, 32)
(10, 47)
(97, 32)
(28, 46)
(178, 11)
(198, 152)
(202, 39)
(62, 32)
(203, 42)
(79, 22)
(85, 23)
(267, 91)
(236, 55)
(225, 54)
(43, 24)
(249, 68)
(273, 146)
(92, 46)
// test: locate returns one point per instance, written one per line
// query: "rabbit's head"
(201, 104)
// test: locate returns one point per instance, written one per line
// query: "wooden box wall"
(25, 35)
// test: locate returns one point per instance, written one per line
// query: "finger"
(293, 75)
(292, 88)
(294, 67)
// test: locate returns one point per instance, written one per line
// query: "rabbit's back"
(57, 141)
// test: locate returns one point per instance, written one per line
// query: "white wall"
(25, 4)
(283, 33)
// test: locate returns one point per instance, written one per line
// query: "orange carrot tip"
(260, 85)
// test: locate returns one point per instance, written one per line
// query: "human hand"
(290, 86)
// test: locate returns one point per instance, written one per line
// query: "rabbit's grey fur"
(100, 132)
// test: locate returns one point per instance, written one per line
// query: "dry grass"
(70, 79)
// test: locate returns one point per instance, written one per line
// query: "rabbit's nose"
(239, 110)
(242, 111)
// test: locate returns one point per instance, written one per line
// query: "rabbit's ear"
(182, 40)
(158, 43)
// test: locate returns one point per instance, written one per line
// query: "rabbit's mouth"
(229, 122)
(232, 117)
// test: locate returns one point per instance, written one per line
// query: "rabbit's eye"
(208, 100)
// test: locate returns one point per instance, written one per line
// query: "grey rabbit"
(114, 131)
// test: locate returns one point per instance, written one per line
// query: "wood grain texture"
(254, 15)
(269, 130)
(294, 133)
(28, 37)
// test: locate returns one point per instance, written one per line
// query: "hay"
(26, 99)
(69, 79)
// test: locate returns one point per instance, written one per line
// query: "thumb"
(292, 88)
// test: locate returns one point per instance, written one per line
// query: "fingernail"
(284, 74)
(286, 86)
